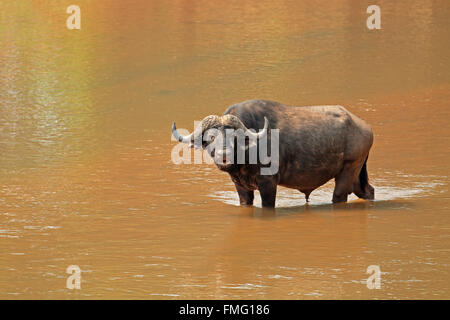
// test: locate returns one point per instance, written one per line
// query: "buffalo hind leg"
(245, 196)
(368, 192)
(361, 187)
(344, 181)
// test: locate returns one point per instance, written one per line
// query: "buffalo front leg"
(245, 196)
(268, 190)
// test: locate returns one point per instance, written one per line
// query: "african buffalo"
(315, 144)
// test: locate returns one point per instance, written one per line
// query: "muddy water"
(86, 176)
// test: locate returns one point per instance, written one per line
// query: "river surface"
(86, 176)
